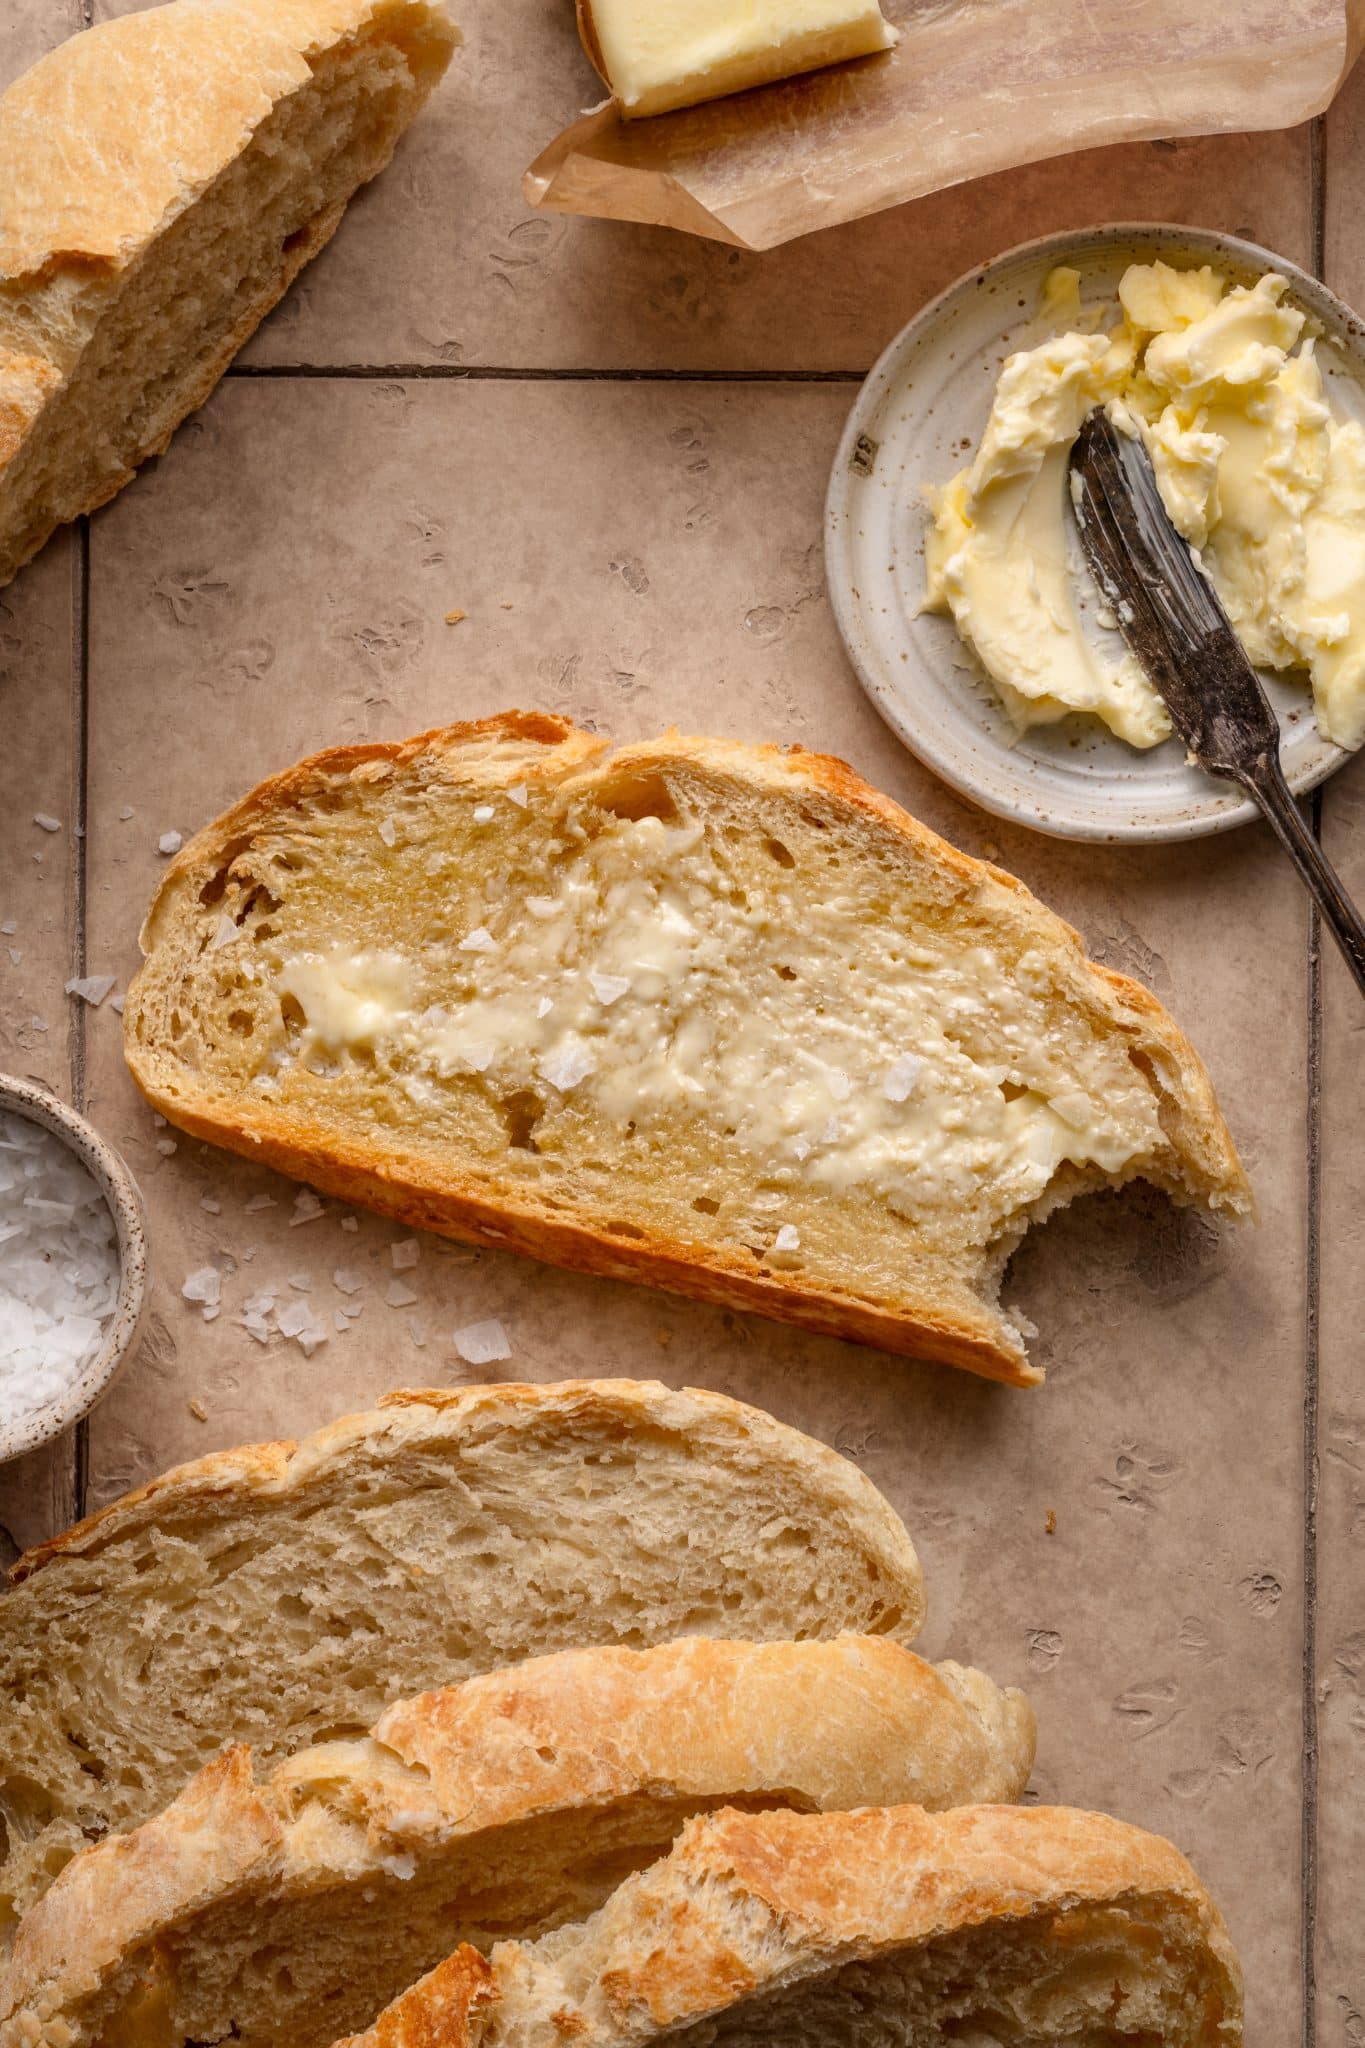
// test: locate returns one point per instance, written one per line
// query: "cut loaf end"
(163, 178)
(719, 1018)
(439, 1536)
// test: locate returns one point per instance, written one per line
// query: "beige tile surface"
(1340, 1619)
(633, 552)
(1159, 1628)
(441, 263)
(29, 29)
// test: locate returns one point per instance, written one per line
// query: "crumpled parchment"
(973, 86)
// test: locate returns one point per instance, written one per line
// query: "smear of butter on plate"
(1264, 481)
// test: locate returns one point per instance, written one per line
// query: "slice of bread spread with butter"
(1039, 1927)
(163, 178)
(284, 1593)
(716, 1017)
(278, 1915)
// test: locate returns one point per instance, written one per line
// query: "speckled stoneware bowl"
(19, 1433)
(915, 421)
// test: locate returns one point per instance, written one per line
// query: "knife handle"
(1267, 784)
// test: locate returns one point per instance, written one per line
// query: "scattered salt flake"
(519, 795)
(483, 814)
(45, 823)
(388, 831)
(255, 1326)
(36, 1024)
(347, 1281)
(480, 940)
(259, 1202)
(832, 1132)
(840, 1087)
(900, 1077)
(788, 1239)
(307, 1208)
(482, 1343)
(544, 1007)
(404, 1255)
(10, 927)
(352, 1309)
(294, 1318)
(350, 1223)
(417, 1333)
(340, 1322)
(169, 842)
(259, 1304)
(15, 955)
(608, 988)
(302, 1283)
(565, 1065)
(116, 1005)
(204, 1285)
(207, 1202)
(213, 1309)
(228, 930)
(91, 988)
(801, 1147)
(399, 1295)
(126, 812)
(166, 1147)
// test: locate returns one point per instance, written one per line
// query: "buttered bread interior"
(690, 997)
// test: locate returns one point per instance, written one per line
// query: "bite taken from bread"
(716, 1017)
(164, 177)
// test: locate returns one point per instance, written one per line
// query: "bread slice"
(1038, 1927)
(279, 1914)
(163, 178)
(716, 1017)
(287, 1592)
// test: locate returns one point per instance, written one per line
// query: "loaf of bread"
(283, 1593)
(716, 1017)
(163, 178)
(1038, 1927)
(278, 1915)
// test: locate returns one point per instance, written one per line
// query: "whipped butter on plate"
(1256, 471)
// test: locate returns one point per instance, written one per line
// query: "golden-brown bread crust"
(748, 1901)
(827, 1724)
(120, 129)
(462, 1996)
(413, 1414)
(452, 1202)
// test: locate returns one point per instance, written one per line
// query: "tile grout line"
(493, 373)
(81, 789)
(1313, 1301)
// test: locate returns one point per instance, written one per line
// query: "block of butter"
(660, 54)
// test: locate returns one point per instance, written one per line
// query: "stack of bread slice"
(537, 1713)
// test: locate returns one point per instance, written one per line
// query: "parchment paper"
(973, 86)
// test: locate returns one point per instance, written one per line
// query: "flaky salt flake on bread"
(849, 1065)
(282, 1912)
(1038, 1926)
(163, 178)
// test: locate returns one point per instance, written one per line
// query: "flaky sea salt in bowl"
(73, 1266)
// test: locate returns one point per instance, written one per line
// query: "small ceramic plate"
(916, 421)
(26, 1429)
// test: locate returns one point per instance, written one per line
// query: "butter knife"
(1172, 619)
